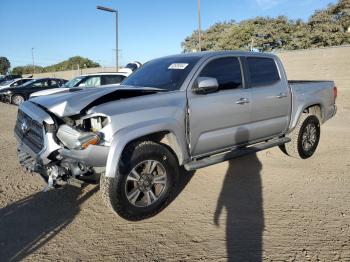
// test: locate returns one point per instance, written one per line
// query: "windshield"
(164, 73)
(73, 82)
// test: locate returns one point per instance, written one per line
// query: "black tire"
(295, 147)
(114, 189)
(17, 99)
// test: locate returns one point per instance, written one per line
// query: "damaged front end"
(66, 150)
(60, 138)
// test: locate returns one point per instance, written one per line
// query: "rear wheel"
(144, 183)
(304, 138)
(17, 100)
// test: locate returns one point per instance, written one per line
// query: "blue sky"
(59, 29)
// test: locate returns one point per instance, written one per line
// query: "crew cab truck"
(188, 110)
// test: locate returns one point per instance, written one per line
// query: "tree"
(28, 69)
(72, 62)
(4, 65)
(327, 27)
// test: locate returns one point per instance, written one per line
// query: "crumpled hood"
(72, 103)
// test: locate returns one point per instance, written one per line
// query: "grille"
(30, 132)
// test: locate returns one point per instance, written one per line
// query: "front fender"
(126, 135)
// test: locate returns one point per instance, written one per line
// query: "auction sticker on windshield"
(178, 66)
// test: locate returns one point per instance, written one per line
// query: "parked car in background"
(17, 95)
(130, 68)
(8, 77)
(14, 82)
(85, 81)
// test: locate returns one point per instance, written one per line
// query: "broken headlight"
(75, 139)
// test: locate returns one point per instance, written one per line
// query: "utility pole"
(199, 26)
(33, 60)
(116, 32)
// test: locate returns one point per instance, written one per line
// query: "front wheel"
(17, 100)
(304, 138)
(144, 183)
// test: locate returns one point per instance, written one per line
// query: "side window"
(92, 81)
(16, 83)
(54, 83)
(112, 79)
(20, 82)
(40, 83)
(46, 83)
(262, 71)
(226, 70)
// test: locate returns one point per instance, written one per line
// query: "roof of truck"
(224, 52)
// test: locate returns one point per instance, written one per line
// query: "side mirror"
(205, 85)
(82, 85)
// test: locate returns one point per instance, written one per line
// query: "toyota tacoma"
(183, 111)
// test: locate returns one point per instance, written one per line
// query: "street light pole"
(33, 60)
(117, 40)
(116, 32)
(199, 26)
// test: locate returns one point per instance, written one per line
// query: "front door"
(219, 120)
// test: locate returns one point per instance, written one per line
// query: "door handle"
(281, 95)
(242, 101)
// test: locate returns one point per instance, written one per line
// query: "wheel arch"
(121, 140)
(316, 109)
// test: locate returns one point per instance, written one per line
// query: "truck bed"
(296, 82)
(314, 93)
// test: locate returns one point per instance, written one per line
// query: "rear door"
(270, 98)
(218, 120)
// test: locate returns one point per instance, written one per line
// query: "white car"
(86, 81)
(14, 82)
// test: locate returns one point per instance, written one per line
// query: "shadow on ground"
(241, 196)
(28, 224)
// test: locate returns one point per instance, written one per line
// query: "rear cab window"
(111, 79)
(262, 71)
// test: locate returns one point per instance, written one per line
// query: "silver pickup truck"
(188, 110)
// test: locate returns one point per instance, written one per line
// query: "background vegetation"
(327, 27)
(4, 65)
(69, 64)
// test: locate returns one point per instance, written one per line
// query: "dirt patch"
(266, 206)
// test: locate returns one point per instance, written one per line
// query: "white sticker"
(178, 66)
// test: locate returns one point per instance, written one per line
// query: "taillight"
(335, 93)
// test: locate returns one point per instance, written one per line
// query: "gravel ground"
(260, 207)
